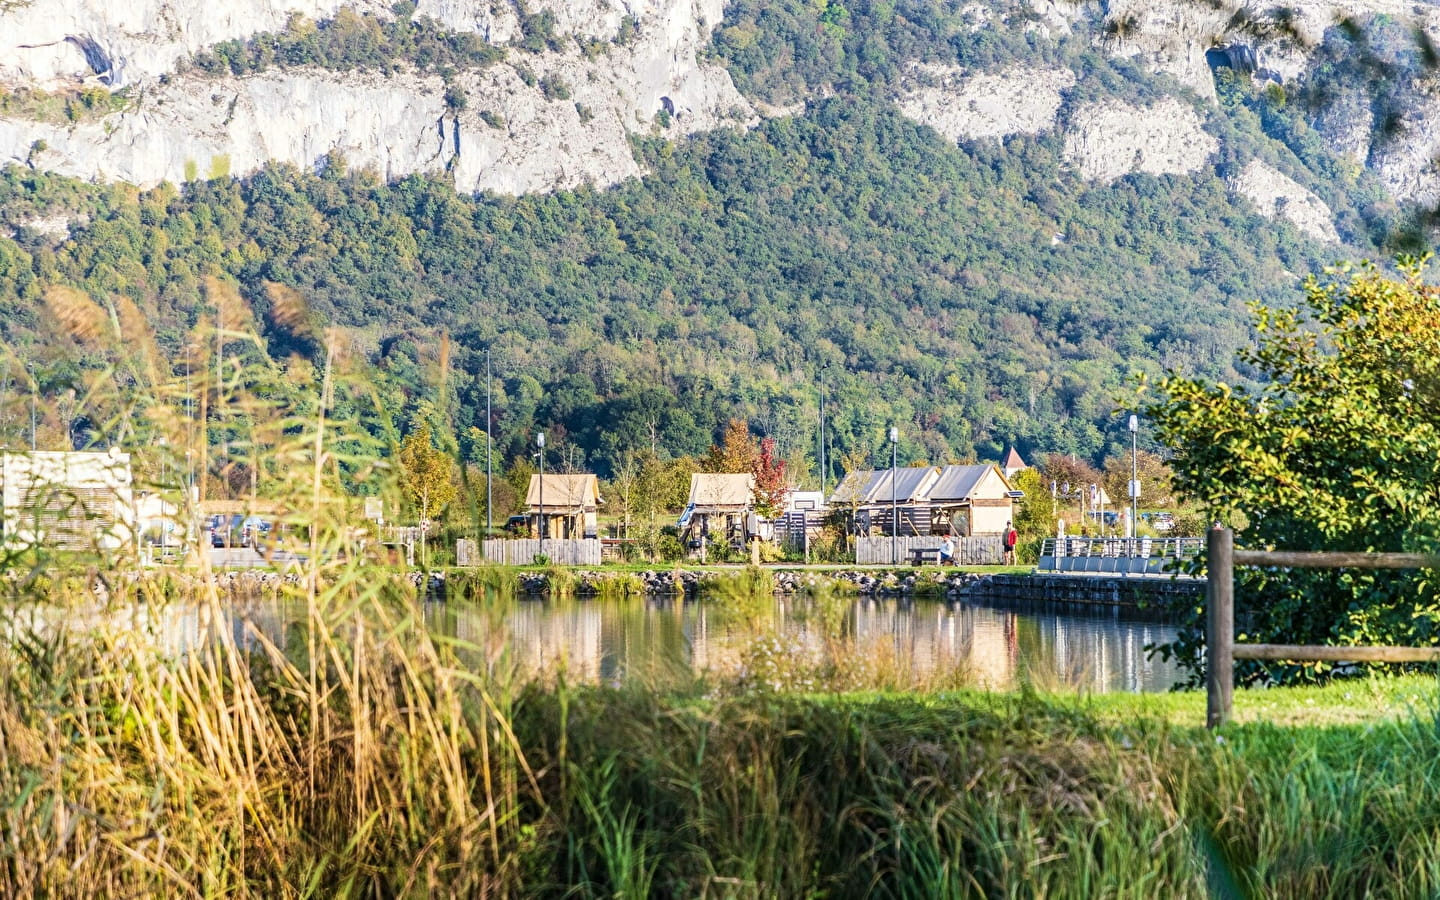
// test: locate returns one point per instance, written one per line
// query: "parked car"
(518, 524)
(226, 530)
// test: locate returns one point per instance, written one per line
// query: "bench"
(918, 555)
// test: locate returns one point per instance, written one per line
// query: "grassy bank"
(973, 795)
(361, 759)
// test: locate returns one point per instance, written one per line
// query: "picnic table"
(918, 555)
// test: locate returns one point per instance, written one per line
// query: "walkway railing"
(1116, 555)
(1221, 649)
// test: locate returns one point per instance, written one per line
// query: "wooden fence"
(522, 552)
(467, 553)
(982, 550)
(1220, 647)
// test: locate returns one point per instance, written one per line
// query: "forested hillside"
(974, 295)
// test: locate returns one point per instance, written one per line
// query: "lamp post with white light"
(164, 477)
(1134, 474)
(894, 501)
(34, 392)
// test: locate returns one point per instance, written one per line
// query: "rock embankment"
(899, 583)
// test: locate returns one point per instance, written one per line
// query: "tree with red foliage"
(770, 482)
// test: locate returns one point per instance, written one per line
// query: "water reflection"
(606, 641)
(658, 640)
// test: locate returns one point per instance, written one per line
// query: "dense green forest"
(974, 295)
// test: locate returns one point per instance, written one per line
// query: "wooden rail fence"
(1220, 647)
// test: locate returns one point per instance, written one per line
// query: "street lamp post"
(894, 497)
(540, 442)
(489, 495)
(823, 468)
(1134, 474)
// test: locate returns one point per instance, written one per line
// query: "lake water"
(1097, 649)
(876, 643)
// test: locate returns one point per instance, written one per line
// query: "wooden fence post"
(1220, 626)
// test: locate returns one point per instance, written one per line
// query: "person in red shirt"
(1011, 537)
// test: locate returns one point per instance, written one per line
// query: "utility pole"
(823, 469)
(894, 501)
(489, 494)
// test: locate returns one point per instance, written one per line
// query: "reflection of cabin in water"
(961, 500)
(570, 505)
(721, 508)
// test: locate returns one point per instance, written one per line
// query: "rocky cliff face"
(1110, 140)
(44, 42)
(513, 135)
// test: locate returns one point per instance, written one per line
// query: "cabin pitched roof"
(957, 484)
(562, 492)
(1013, 461)
(906, 485)
(711, 490)
(854, 488)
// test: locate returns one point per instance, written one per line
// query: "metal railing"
(1220, 647)
(1116, 555)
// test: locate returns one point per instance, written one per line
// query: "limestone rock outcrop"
(968, 106)
(1277, 196)
(42, 41)
(1109, 140)
(513, 135)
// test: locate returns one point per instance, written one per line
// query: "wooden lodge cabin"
(972, 500)
(570, 505)
(721, 507)
(961, 500)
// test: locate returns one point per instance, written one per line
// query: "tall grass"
(618, 586)
(901, 797)
(482, 584)
(359, 758)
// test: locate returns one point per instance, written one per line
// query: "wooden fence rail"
(1220, 647)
